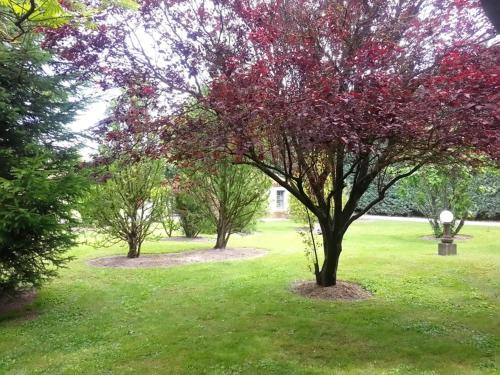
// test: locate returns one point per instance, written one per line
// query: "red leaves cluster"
(321, 85)
(407, 79)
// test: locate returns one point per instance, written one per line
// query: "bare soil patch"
(459, 237)
(176, 259)
(343, 291)
(15, 306)
(186, 239)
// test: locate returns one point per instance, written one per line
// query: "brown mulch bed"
(460, 237)
(16, 305)
(342, 291)
(185, 239)
(176, 259)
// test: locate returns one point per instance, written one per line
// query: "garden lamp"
(446, 246)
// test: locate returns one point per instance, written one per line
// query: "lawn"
(429, 314)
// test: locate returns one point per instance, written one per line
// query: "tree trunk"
(332, 246)
(168, 227)
(133, 248)
(222, 236)
(458, 228)
(221, 242)
(436, 228)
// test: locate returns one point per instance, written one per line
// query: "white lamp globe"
(446, 217)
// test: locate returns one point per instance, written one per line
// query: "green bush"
(433, 189)
(483, 191)
(485, 194)
(36, 219)
(394, 204)
(192, 217)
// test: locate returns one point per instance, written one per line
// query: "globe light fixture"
(446, 246)
(446, 217)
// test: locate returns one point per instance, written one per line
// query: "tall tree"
(332, 95)
(35, 105)
(39, 181)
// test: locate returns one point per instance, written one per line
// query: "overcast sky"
(94, 112)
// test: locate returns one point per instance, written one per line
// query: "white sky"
(95, 111)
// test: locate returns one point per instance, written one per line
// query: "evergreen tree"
(39, 180)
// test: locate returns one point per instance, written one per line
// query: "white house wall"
(273, 203)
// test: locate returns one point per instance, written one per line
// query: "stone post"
(446, 246)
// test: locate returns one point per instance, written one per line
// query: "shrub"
(37, 216)
(127, 202)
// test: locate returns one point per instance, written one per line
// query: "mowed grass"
(429, 314)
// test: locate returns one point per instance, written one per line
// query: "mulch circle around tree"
(186, 239)
(15, 306)
(460, 237)
(177, 259)
(342, 291)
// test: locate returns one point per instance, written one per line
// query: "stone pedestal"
(447, 249)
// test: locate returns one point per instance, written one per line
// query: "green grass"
(429, 314)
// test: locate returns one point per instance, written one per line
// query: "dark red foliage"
(323, 96)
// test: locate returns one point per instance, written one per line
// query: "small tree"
(434, 189)
(230, 196)
(300, 214)
(168, 220)
(18, 19)
(128, 202)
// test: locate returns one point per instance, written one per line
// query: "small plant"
(311, 240)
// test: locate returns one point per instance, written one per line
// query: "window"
(280, 199)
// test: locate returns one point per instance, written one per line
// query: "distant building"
(278, 201)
